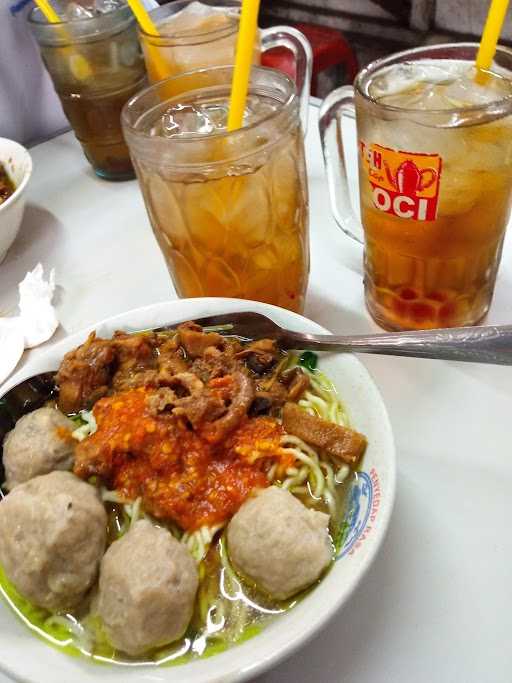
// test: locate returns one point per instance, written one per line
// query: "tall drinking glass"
(435, 178)
(196, 35)
(96, 66)
(229, 209)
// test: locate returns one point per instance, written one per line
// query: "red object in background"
(329, 47)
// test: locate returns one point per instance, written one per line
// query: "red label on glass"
(404, 184)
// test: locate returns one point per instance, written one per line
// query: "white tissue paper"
(37, 315)
(35, 323)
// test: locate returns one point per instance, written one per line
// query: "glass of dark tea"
(96, 65)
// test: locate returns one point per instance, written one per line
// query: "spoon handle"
(486, 344)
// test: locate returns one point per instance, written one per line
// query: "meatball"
(53, 531)
(40, 442)
(278, 543)
(148, 583)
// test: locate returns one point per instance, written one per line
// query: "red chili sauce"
(178, 474)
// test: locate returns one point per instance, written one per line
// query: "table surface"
(436, 604)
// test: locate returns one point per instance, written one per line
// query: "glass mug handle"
(339, 102)
(286, 36)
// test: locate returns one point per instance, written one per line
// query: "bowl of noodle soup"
(256, 633)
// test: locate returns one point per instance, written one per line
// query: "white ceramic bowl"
(27, 658)
(18, 164)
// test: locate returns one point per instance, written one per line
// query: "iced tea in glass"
(96, 65)
(192, 35)
(435, 177)
(195, 34)
(229, 209)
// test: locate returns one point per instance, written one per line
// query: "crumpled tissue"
(35, 324)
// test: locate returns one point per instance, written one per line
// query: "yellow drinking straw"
(50, 14)
(491, 34)
(79, 65)
(142, 15)
(243, 62)
(148, 26)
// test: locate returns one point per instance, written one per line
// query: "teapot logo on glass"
(404, 184)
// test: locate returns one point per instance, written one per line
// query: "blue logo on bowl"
(362, 508)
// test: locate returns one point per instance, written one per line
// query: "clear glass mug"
(435, 194)
(228, 209)
(96, 66)
(212, 42)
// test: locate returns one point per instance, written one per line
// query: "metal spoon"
(485, 344)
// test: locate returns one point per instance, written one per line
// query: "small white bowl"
(18, 163)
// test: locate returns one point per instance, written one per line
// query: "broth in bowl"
(7, 187)
(15, 173)
(182, 489)
(368, 505)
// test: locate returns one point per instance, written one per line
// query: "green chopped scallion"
(308, 360)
